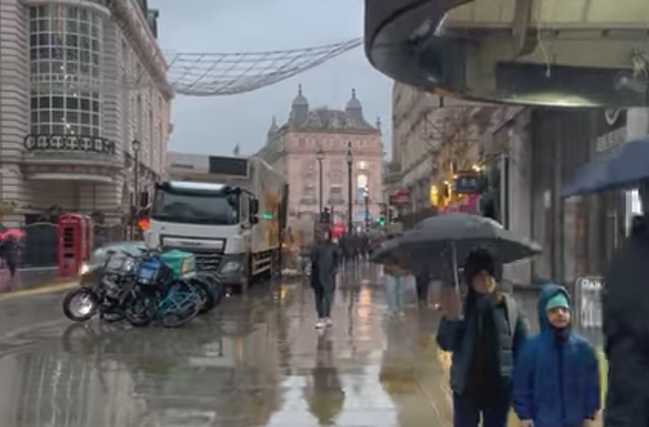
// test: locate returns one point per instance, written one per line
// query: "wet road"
(256, 361)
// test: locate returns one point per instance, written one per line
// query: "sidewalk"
(29, 279)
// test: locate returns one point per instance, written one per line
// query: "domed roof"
(354, 103)
(300, 100)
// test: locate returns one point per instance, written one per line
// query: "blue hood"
(548, 291)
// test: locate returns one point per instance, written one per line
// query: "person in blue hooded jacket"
(556, 377)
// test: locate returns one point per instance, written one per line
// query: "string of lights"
(218, 74)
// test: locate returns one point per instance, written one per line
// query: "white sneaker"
(328, 322)
(320, 324)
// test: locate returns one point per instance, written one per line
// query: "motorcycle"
(105, 297)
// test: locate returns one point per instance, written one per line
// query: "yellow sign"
(7, 207)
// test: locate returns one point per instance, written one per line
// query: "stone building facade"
(79, 82)
(293, 149)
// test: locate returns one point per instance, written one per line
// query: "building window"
(66, 50)
(336, 177)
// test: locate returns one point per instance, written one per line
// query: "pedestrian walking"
(556, 377)
(325, 258)
(484, 342)
(395, 277)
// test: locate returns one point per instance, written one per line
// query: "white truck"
(233, 224)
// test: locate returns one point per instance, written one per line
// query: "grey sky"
(216, 125)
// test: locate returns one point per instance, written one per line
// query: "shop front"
(502, 51)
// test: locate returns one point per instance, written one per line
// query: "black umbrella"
(446, 240)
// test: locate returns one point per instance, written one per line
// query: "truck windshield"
(194, 208)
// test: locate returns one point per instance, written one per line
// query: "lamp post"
(136, 145)
(320, 156)
(350, 201)
(366, 200)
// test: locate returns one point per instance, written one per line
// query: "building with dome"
(293, 148)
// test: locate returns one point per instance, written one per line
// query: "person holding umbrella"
(485, 339)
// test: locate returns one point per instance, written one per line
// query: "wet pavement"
(26, 279)
(256, 361)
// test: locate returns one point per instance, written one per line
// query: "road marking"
(55, 287)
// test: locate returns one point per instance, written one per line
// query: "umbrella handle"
(456, 277)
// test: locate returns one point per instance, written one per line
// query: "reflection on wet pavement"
(257, 361)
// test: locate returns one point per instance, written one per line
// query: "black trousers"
(422, 283)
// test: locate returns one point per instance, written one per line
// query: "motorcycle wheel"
(138, 312)
(80, 315)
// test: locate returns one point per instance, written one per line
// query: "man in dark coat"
(626, 330)
(325, 258)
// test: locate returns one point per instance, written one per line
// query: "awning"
(70, 177)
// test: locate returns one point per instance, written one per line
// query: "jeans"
(394, 291)
(324, 296)
(467, 413)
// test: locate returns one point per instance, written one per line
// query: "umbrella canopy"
(620, 167)
(432, 239)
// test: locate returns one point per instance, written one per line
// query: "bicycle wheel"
(182, 304)
(206, 294)
(176, 319)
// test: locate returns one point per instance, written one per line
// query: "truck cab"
(213, 221)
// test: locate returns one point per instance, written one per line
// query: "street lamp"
(350, 201)
(320, 156)
(366, 200)
(136, 145)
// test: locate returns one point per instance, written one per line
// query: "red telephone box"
(74, 243)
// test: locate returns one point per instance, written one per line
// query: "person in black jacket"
(325, 259)
(626, 330)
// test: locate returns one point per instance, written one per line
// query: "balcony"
(70, 158)
(580, 53)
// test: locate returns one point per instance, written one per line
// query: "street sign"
(589, 301)
(467, 183)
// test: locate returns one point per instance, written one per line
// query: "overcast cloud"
(215, 125)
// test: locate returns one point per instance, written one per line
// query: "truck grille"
(208, 261)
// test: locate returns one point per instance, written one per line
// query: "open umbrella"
(445, 241)
(620, 167)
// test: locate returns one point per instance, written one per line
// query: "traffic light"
(267, 215)
(381, 221)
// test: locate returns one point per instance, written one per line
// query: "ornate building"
(68, 119)
(293, 148)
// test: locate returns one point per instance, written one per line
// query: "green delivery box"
(183, 263)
